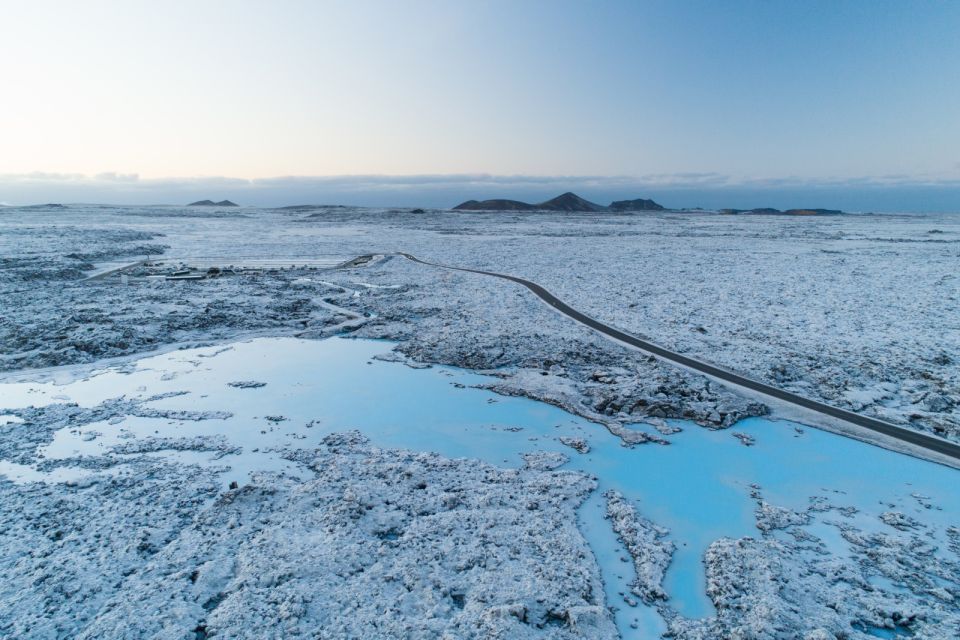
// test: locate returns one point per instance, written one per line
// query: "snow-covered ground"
(860, 311)
(105, 519)
(305, 459)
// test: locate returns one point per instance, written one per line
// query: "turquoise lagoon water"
(698, 486)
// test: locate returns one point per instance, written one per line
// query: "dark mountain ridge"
(570, 202)
(494, 205)
(211, 203)
(635, 205)
(769, 211)
(565, 202)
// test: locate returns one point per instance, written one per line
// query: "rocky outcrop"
(580, 445)
(494, 205)
(646, 543)
(211, 203)
(640, 204)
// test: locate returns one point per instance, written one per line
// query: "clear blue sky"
(667, 96)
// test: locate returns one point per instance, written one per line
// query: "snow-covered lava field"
(249, 434)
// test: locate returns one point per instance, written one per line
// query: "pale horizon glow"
(813, 93)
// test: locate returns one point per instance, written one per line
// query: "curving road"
(923, 440)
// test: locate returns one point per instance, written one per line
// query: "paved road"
(929, 442)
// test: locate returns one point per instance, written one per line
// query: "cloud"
(446, 181)
(111, 176)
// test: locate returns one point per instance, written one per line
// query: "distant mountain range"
(572, 202)
(566, 202)
(767, 211)
(211, 203)
(49, 205)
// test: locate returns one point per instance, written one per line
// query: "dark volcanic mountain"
(211, 203)
(494, 205)
(566, 202)
(569, 202)
(635, 205)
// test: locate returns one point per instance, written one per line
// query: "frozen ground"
(860, 311)
(778, 299)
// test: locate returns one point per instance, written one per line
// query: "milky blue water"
(698, 486)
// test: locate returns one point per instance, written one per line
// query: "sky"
(432, 102)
